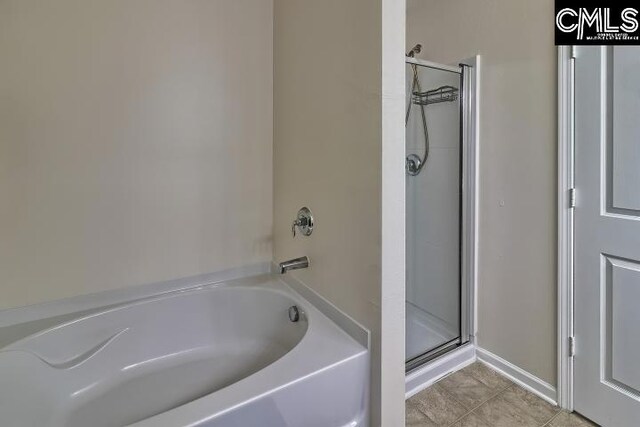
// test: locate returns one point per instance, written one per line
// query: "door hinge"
(572, 346)
(572, 52)
(572, 197)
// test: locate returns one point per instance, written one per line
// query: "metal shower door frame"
(469, 71)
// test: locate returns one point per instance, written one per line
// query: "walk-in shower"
(437, 295)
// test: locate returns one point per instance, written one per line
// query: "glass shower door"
(433, 212)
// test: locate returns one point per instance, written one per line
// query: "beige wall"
(327, 151)
(517, 247)
(135, 142)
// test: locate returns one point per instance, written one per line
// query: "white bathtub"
(217, 355)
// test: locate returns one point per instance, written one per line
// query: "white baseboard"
(423, 377)
(518, 375)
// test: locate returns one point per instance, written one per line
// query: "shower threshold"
(427, 336)
(420, 360)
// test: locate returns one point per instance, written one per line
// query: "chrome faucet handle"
(304, 222)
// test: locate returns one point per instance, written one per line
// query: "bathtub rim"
(264, 286)
(101, 300)
(20, 322)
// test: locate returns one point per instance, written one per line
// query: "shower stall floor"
(425, 331)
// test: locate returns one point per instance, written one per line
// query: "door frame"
(566, 199)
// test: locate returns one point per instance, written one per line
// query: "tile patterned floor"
(477, 396)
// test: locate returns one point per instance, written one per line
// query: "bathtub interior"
(139, 360)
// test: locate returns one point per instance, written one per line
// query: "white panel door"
(607, 235)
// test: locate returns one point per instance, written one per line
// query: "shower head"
(416, 50)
